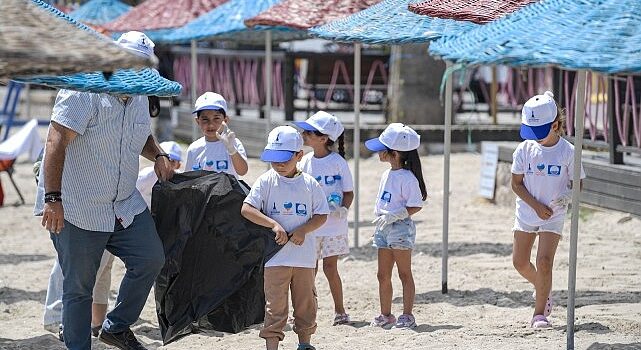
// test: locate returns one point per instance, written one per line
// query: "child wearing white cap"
(147, 177)
(542, 170)
(320, 132)
(218, 150)
(400, 195)
(293, 205)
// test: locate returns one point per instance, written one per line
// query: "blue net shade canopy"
(98, 12)
(599, 35)
(226, 22)
(389, 22)
(39, 39)
(122, 82)
(304, 14)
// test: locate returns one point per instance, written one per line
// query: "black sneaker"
(123, 340)
(95, 331)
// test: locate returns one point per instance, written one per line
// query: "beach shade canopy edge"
(389, 22)
(603, 36)
(479, 11)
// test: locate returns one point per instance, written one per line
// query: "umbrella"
(161, 14)
(599, 35)
(481, 11)
(98, 12)
(58, 45)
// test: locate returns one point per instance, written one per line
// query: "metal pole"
(447, 140)
(194, 86)
(576, 188)
(268, 84)
(494, 87)
(28, 100)
(357, 135)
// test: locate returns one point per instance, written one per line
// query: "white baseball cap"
(138, 43)
(282, 143)
(173, 150)
(397, 136)
(210, 100)
(537, 116)
(323, 122)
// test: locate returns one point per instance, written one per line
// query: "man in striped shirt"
(89, 202)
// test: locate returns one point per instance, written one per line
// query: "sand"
(488, 306)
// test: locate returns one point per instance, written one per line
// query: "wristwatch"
(161, 154)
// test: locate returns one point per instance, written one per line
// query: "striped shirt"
(101, 163)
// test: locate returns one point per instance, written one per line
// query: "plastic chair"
(7, 166)
(8, 112)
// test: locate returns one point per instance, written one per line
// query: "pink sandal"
(540, 321)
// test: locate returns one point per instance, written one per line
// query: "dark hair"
(411, 162)
(222, 111)
(330, 143)
(154, 106)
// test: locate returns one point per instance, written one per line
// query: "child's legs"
(403, 259)
(548, 243)
(521, 250)
(330, 268)
(384, 275)
(101, 290)
(276, 286)
(304, 303)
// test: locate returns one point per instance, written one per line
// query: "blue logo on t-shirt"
(529, 169)
(301, 209)
(554, 170)
(274, 210)
(540, 167)
(329, 180)
(222, 165)
(288, 207)
(386, 197)
(319, 178)
(209, 165)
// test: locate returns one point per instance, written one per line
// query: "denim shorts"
(398, 235)
(554, 227)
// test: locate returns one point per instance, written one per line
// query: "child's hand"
(281, 234)
(298, 237)
(228, 138)
(543, 211)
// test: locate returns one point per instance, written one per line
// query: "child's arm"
(348, 197)
(256, 216)
(298, 235)
(240, 164)
(542, 210)
(413, 210)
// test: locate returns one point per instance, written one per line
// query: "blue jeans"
(79, 254)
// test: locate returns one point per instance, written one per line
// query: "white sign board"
(489, 162)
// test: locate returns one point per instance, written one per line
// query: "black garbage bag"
(214, 258)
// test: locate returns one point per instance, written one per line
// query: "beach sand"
(489, 306)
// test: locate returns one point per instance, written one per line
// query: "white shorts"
(327, 246)
(554, 227)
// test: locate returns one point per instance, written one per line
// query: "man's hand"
(53, 217)
(281, 234)
(163, 169)
(298, 237)
(543, 211)
(228, 138)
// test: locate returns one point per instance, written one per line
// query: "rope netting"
(480, 11)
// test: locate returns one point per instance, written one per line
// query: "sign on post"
(489, 162)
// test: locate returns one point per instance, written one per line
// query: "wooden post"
(289, 85)
(494, 87)
(613, 133)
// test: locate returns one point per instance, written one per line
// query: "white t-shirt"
(291, 202)
(212, 156)
(147, 178)
(334, 177)
(398, 189)
(547, 174)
